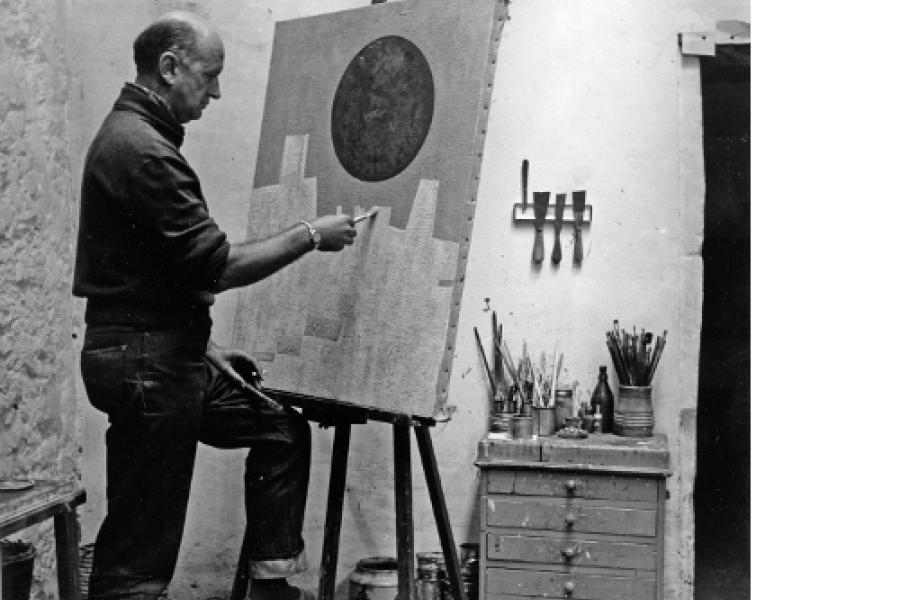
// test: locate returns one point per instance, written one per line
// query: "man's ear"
(168, 63)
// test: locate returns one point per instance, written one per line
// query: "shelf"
(525, 214)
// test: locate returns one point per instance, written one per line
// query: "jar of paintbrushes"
(635, 358)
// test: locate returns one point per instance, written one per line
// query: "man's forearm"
(249, 262)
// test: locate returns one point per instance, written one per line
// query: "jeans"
(161, 398)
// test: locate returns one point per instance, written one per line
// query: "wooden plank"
(20, 509)
(570, 515)
(336, 486)
(649, 453)
(509, 583)
(572, 484)
(571, 551)
(611, 469)
(516, 450)
(403, 499)
(660, 541)
(439, 507)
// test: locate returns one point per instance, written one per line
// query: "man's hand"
(337, 231)
(236, 365)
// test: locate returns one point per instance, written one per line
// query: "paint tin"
(564, 400)
(633, 416)
(375, 578)
(468, 565)
(431, 576)
(500, 421)
(520, 428)
(544, 420)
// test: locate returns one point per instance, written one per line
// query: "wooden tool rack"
(342, 416)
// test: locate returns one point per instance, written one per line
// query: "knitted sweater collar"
(152, 107)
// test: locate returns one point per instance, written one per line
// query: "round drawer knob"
(571, 485)
(569, 553)
(569, 588)
(570, 519)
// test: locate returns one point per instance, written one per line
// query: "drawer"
(571, 551)
(575, 515)
(503, 582)
(572, 484)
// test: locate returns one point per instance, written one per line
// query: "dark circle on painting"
(382, 109)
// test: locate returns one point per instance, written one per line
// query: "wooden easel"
(341, 416)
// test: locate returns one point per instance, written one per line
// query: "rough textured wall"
(38, 411)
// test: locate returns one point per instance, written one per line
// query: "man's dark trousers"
(161, 398)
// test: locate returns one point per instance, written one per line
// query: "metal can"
(564, 400)
(375, 578)
(469, 567)
(431, 576)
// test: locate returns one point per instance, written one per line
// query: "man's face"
(197, 79)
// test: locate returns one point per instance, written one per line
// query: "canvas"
(384, 106)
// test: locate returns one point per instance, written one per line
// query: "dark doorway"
(722, 492)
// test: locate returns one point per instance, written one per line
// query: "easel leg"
(334, 511)
(403, 504)
(66, 532)
(439, 505)
(242, 574)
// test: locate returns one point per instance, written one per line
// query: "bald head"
(180, 57)
(177, 31)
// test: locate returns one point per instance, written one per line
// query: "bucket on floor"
(375, 578)
(18, 568)
(633, 416)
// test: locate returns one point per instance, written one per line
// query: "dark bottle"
(602, 402)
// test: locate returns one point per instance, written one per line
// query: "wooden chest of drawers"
(572, 519)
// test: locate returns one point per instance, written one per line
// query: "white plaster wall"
(596, 94)
(39, 434)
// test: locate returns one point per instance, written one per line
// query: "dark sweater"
(148, 252)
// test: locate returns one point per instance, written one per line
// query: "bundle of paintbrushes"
(634, 355)
(546, 378)
(518, 386)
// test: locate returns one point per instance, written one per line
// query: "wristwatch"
(313, 234)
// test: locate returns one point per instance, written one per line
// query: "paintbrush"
(487, 368)
(507, 360)
(497, 335)
(368, 215)
(661, 344)
(649, 353)
(616, 357)
(553, 378)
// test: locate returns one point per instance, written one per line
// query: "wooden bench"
(21, 508)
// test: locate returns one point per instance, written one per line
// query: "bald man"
(149, 260)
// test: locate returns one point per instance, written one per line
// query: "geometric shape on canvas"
(382, 109)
